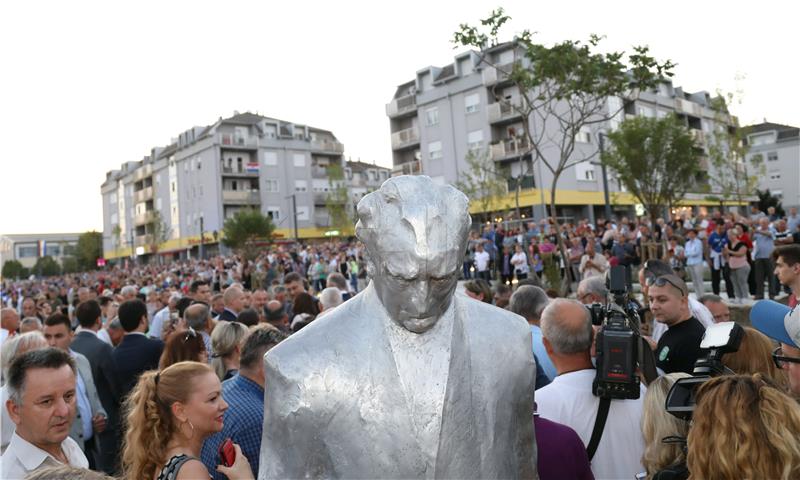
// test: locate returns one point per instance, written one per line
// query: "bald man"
(9, 320)
(233, 297)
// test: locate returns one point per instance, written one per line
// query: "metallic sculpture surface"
(407, 379)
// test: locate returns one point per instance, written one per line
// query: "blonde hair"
(149, 420)
(755, 356)
(657, 424)
(17, 345)
(224, 340)
(743, 427)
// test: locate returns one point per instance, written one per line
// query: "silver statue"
(406, 380)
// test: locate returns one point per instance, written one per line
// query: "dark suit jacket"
(228, 316)
(135, 354)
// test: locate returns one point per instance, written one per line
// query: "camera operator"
(679, 347)
(568, 400)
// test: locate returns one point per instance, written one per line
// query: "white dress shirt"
(22, 457)
(568, 400)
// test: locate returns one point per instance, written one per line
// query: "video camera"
(617, 343)
(719, 339)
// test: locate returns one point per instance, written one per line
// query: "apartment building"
(163, 202)
(778, 147)
(28, 248)
(444, 113)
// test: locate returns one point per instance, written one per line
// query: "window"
(435, 150)
(384, 175)
(270, 131)
(114, 218)
(302, 213)
(300, 186)
(173, 186)
(774, 175)
(475, 140)
(584, 136)
(472, 103)
(584, 171)
(662, 113)
(27, 251)
(53, 250)
(274, 213)
(772, 156)
(299, 160)
(112, 199)
(199, 163)
(271, 185)
(761, 139)
(432, 116)
(647, 112)
(270, 159)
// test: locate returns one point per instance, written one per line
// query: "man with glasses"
(781, 323)
(679, 348)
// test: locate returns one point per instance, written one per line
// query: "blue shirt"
(765, 242)
(716, 241)
(541, 354)
(243, 423)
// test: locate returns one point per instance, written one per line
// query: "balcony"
(322, 221)
(321, 198)
(401, 106)
(234, 141)
(318, 171)
(327, 145)
(509, 148)
(687, 107)
(504, 110)
(498, 74)
(699, 137)
(405, 138)
(413, 167)
(143, 172)
(241, 197)
(144, 218)
(235, 172)
(143, 240)
(143, 195)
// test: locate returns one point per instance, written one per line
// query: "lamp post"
(202, 240)
(601, 137)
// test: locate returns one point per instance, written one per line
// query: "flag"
(252, 167)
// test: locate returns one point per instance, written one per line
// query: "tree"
(564, 90)
(655, 159)
(69, 264)
(734, 175)
(12, 269)
(116, 233)
(160, 233)
(766, 199)
(336, 202)
(46, 267)
(481, 183)
(89, 249)
(245, 230)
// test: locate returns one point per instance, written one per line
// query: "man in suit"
(405, 380)
(234, 303)
(135, 353)
(99, 354)
(91, 418)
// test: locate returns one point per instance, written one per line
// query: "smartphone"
(227, 454)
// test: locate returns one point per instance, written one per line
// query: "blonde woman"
(755, 356)
(169, 414)
(226, 346)
(657, 424)
(743, 427)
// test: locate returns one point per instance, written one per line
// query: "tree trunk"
(561, 247)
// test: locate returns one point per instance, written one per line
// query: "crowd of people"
(734, 248)
(145, 371)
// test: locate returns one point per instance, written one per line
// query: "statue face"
(415, 291)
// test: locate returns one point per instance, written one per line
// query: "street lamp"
(601, 137)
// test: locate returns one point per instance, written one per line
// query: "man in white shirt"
(567, 330)
(42, 405)
(592, 263)
(482, 262)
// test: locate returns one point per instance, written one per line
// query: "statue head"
(415, 234)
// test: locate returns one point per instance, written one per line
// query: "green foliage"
(734, 176)
(337, 200)
(12, 269)
(481, 182)
(551, 271)
(89, 249)
(244, 230)
(655, 159)
(46, 267)
(69, 265)
(160, 232)
(766, 199)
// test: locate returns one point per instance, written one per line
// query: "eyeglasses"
(781, 360)
(661, 281)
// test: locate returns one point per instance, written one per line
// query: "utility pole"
(202, 239)
(294, 217)
(601, 136)
(133, 248)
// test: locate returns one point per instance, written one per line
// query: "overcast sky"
(87, 86)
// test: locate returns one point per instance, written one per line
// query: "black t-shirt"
(679, 347)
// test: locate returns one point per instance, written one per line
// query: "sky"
(87, 86)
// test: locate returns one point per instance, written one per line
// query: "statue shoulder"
(487, 317)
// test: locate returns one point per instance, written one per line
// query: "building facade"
(164, 202)
(778, 147)
(446, 113)
(28, 248)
